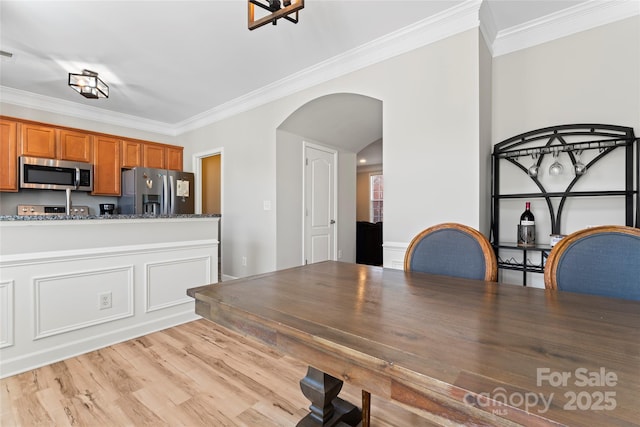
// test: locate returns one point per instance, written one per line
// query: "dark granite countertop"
(100, 217)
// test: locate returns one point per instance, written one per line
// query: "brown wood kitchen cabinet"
(8, 155)
(75, 146)
(153, 156)
(54, 143)
(131, 154)
(38, 141)
(174, 157)
(107, 153)
(106, 166)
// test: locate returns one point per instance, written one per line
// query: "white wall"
(588, 77)
(346, 222)
(484, 159)
(248, 230)
(288, 199)
(430, 128)
(430, 135)
(289, 206)
(434, 125)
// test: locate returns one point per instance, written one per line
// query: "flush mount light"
(276, 11)
(89, 85)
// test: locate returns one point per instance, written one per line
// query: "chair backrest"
(452, 249)
(602, 260)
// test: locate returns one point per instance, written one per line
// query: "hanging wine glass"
(556, 167)
(579, 167)
(534, 168)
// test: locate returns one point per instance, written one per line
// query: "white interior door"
(320, 204)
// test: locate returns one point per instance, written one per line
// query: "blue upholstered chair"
(452, 249)
(601, 260)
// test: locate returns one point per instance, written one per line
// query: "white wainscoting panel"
(393, 254)
(6, 313)
(167, 281)
(50, 300)
(67, 302)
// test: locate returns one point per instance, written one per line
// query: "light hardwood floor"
(196, 374)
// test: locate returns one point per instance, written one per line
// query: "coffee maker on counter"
(107, 208)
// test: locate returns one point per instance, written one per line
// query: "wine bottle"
(527, 217)
(527, 227)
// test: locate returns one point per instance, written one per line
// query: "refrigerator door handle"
(172, 197)
(165, 195)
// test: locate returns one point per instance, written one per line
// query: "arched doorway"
(346, 122)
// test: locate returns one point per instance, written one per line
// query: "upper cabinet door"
(131, 154)
(8, 156)
(38, 141)
(106, 166)
(174, 158)
(75, 146)
(153, 156)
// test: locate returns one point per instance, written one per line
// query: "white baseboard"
(29, 361)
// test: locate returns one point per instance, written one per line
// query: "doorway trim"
(334, 152)
(197, 170)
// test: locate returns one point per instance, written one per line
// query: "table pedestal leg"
(327, 409)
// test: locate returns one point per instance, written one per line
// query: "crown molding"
(34, 101)
(464, 16)
(445, 24)
(488, 26)
(569, 21)
(452, 21)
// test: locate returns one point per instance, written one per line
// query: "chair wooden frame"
(491, 263)
(551, 266)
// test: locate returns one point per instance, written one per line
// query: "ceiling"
(168, 61)
(169, 64)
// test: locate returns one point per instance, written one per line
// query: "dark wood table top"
(461, 350)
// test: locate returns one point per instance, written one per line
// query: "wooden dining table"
(455, 351)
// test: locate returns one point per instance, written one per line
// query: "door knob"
(333, 221)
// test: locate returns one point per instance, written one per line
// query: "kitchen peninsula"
(72, 284)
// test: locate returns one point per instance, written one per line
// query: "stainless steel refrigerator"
(156, 192)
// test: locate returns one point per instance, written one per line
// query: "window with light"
(376, 195)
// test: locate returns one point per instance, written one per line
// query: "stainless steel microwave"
(52, 174)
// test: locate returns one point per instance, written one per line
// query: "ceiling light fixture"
(276, 11)
(89, 85)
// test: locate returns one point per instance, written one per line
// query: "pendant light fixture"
(89, 85)
(277, 9)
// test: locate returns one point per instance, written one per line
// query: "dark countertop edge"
(101, 217)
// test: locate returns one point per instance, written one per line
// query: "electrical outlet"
(105, 300)
(339, 253)
(244, 261)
